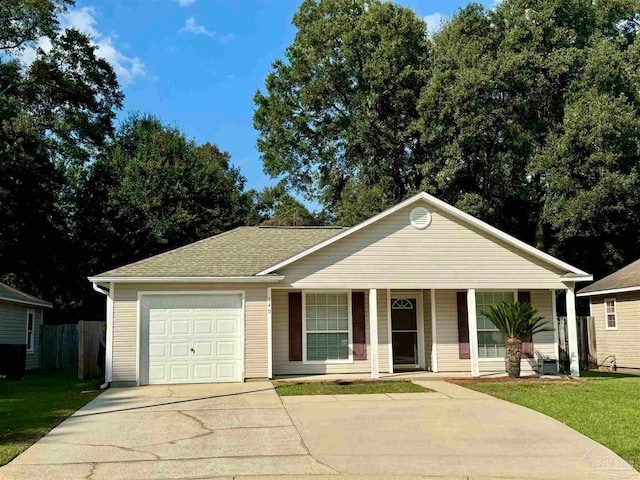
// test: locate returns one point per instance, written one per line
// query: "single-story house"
(614, 302)
(404, 289)
(20, 320)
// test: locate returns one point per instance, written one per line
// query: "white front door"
(194, 338)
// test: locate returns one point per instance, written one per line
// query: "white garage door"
(194, 338)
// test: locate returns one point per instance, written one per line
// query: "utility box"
(547, 366)
(12, 360)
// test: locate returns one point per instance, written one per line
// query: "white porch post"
(434, 335)
(373, 331)
(556, 333)
(473, 332)
(572, 331)
(269, 335)
(389, 331)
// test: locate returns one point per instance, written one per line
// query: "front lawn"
(347, 388)
(603, 406)
(32, 406)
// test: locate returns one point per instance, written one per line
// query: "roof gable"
(10, 294)
(626, 279)
(457, 215)
(241, 252)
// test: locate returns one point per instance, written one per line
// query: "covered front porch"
(387, 333)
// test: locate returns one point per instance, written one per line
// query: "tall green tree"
(149, 190)
(338, 118)
(525, 115)
(55, 114)
(276, 207)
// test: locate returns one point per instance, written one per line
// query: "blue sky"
(198, 63)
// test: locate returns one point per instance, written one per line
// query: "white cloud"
(433, 21)
(186, 3)
(83, 19)
(191, 26)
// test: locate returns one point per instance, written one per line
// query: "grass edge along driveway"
(32, 406)
(601, 405)
(286, 389)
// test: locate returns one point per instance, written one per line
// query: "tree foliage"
(55, 113)
(525, 115)
(151, 189)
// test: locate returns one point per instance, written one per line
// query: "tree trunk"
(514, 354)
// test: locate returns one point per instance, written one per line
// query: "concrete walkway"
(182, 431)
(454, 432)
(242, 430)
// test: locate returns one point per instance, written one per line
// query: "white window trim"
(606, 314)
(33, 331)
(515, 299)
(304, 329)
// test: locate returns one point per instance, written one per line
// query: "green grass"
(347, 388)
(603, 406)
(32, 406)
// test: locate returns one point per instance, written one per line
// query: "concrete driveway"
(213, 430)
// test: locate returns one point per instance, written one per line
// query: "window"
(327, 324)
(491, 343)
(611, 316)
(31, 320)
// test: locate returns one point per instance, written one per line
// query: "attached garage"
(191, 337)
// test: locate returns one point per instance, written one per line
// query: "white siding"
(393, 254)
(281, 363)
(624, 342)
(125, 311)
(447, 335)
(13, 328)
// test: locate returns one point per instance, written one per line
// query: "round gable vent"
(420, 218)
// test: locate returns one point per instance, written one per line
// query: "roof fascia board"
(27, 302)
(249, 279)
(577, 278)
(610, 291)
(453, 211)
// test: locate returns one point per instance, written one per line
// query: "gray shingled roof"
(9, 294)
(244, 251)
(626, 277)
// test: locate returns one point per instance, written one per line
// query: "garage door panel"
(203, 327)
(194, 338)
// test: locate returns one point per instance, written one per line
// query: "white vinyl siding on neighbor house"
(14, 328)
(624, 340)
(125, 325)
(391, 253)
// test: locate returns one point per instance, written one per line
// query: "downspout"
(109, 331)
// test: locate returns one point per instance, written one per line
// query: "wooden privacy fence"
(88, 349)
(59, 346)
(72, 347)
(586, 342)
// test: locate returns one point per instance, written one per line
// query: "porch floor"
(419, 376)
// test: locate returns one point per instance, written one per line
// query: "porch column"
(434, 334)
(269, 335)
(473, 332)
(373, 331)
(572, 332)
(556, 334)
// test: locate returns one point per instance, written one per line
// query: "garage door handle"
(193, 351)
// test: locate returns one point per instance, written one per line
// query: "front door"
(404, 331)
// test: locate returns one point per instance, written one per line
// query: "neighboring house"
(404, 289)
(20, 320)
(615, 304)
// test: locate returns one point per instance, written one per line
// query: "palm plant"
(515, 321)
